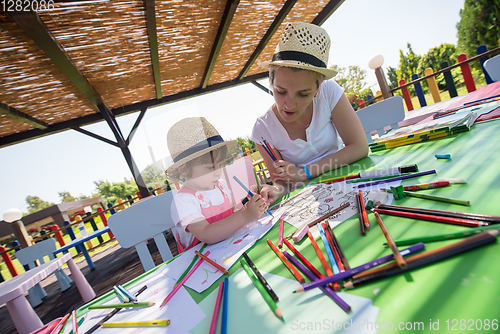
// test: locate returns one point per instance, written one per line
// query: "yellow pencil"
(150, 323)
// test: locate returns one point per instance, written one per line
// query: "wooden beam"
(328, 10)
(287, 7)
(136, 125)
(258, 85)
(22, 117)
(227, 17)
(33, 25)
(96, 136)
(149, 6)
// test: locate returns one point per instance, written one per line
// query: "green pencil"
(190, 265)
(257, 180)
(262, 290)
(433, 197)
(448, 236)
(121, 295)
(143, 304)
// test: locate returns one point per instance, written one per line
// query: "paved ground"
(114, 266)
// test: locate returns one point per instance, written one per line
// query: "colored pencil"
(260, 277)
(397, 178)
(119, 293)
(425, 258)
(447, 236)
(433, 197)
(303, 259)
(80, 322)
(178, 286)
(397, 255)
(127, 293)
(342, 256)
(213, 263)
(213, 323)
(429, 185)
(270, 302)
(112, 313)
(340, 178)
(283, 259)
(329, 252)
(336, 256)
(225, 300)
(190, 265)
(348, 273)
(150, 323)
(438, 219)
(280, 237)
(362, 226)
(256, 180)
(326, 289)
(74, 321)
(269, 150)
(375, 178)
(248, 191)
(322, 259)
(60, 325)
(366, 221)
(320, 219)
(124, 305)
(444, 213)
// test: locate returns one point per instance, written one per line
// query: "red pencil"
(446, 220)
(213, 324)
(280, 238)
(363, 210)
(60, 325)
(334, 249)
(213, 263)
(304, 260)
(287, 263)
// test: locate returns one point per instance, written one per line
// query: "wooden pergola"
(80, 62)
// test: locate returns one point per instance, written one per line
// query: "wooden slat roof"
(64, 67)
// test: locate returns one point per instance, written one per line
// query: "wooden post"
(448, 78)
(112, 211)
(379, 96)
(433, 87)
(8, 261)
(104, 221)
(120, 203)
(94, 226)
(71, 233)
(406, 95)
(58, 235)
(480, 50)
(361, 101)
(382, 82)
(370, 97)
(467, 73)
(419, 90)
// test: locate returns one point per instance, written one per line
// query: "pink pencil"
(280, 240)
(213, 324)
(181, 283)
(75, 322)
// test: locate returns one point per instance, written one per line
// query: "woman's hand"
(269, 193)
(289, 172)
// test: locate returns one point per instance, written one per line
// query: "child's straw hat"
(192, 137)
(303, 45)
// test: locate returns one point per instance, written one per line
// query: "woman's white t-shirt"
(322, 136)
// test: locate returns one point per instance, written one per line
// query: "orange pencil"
(287, 263)
(60, 325)
(363, 210)
(340, 265)
(328, 271)
(213, 263)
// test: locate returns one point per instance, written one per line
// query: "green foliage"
(435, 56)
(245, 143)
(112, 191)
(392, 74)
(153, 175)
(36, 204)
(364, 94)
(66, 197)
(351, 79)
(408, 64)
(479, 24)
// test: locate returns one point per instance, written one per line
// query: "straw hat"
(192, 137)
(303, 45)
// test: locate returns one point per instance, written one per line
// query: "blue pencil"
(248, 191)
(223, 329)
(269, 150)
(333, 263)
(128, 294)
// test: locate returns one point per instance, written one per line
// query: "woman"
(311, 127)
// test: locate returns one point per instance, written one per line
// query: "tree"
(36, 204)
(433, 59)
(245, 143)
(408, 64)
(392, 74)
(112, 191)
(66, 196)
(479, 24)
(153, 175)
(351, 79)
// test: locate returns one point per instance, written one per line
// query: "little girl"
(202, 209)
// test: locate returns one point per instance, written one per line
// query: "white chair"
(381, 114)
(492, 66)
(28, 256)
(144, 220)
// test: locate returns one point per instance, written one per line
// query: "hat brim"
(229, 144)
(328, 73)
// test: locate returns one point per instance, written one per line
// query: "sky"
(70, 161)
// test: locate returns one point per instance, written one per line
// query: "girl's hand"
(289, 172)
(254, 208)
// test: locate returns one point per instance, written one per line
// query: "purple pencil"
(397, 178)
(348, 273)
(326, 289)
